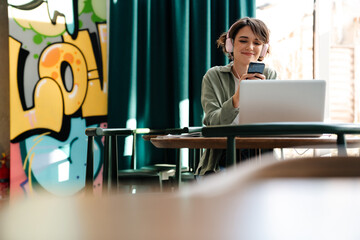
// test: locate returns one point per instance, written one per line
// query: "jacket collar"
(226, 68)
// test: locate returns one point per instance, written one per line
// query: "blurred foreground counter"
(223, 206)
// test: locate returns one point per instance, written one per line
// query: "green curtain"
(159, 51)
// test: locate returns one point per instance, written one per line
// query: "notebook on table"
(264, 101)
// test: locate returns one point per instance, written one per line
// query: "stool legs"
(89, 175)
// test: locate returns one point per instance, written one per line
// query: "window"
(344, 55)
(291, 36)
(318, 39)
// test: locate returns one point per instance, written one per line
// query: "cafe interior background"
(139, 63)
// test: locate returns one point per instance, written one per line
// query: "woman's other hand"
(246, 76)
(253, 76)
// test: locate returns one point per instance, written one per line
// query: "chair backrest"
(237, 178)
(312, 167)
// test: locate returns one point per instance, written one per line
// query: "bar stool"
(115, 180)
(129, 180)
(174, 172)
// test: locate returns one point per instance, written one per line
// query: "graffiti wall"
(58, 88)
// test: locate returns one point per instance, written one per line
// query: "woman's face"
(247, 46)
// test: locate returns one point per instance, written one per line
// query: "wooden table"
(251, 142)
(323, 142)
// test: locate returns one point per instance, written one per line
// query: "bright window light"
(128, 148)
(63, 171)
(184, 122)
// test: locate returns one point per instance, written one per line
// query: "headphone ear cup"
(264, 50)
(229, 45)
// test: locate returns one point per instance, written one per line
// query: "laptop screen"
(281, 101)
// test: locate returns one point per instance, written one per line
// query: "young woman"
(246, 41)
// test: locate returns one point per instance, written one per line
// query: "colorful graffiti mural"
(58, 88)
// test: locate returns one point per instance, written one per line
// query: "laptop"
(264, 101)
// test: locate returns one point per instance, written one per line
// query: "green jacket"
(218, 87)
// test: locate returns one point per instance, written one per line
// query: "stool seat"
(139, 180)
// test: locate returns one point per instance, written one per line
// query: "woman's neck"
(239, 70)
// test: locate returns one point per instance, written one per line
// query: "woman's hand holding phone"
(253, 76)
(255, 71)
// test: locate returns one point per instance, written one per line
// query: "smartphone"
(256, 67)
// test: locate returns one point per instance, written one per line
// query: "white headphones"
(229, 45)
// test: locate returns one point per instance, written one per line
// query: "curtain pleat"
(159, 51)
